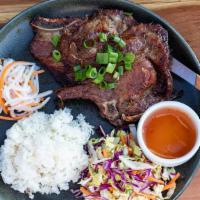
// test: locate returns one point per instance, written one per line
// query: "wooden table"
(184, 15)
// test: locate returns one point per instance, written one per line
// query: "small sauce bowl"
(151, 111)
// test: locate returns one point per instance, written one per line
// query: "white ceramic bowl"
(163, 161)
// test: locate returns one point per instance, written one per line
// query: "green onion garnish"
(111, 85)
(91, 73)
(113, 57)
(119, 41)
(128, 66)
(77, 68)
(110, 68)
(129, 57)
(116, 75)
(120, 70)
(122, 44)
(109, 49)
(56, 55)
(116, 39)
(98, 79)
(102, 71)
(89, 43)
(103, 84)
(102, 58)
(55, 39)
(79, 76)
(120, 57)
(103, 37)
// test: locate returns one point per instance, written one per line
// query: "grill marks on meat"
(147, 83)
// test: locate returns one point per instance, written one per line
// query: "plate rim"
(192, 55)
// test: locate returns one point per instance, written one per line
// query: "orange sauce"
(169, 133)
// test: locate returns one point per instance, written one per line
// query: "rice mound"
(43, 153)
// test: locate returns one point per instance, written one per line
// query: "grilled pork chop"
(147, 83)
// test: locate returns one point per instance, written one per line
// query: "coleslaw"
(118, 170)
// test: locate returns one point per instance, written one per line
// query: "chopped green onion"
(106, 85)
(120, 70)
(87, 67)
(119, 41)
(127, 13)
(89, 43)
(55, 39)
(122, 44)
(91, 73)
(56, 55)
(102, 58)
(109, 49)
(120, 57)
(80, 75)
(110, 68)
(98, 79)
(77, 68)
(128, 66)
(113, 57)
(111, 85)
(129, 57)
(103, 84)
(103, 37)
(116, 75)
(116, 39)
(102, 71)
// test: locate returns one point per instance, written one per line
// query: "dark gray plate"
(16, 36)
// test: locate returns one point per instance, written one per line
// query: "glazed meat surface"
(147, 83)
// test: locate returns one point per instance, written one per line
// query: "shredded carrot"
(131, 138)
(135, 172)
(123, 139)
(32, 86)
(105, 153)
(2, 103)
(171, 183)
(10, 118)
(85, 191)
(2, 79)
(132, 195)
(152, 179)
(148, 196)
(32, 104)
(168, 186)
(38, 72)
(130, 151)
(111, 189)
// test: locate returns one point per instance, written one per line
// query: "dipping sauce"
(169, 133)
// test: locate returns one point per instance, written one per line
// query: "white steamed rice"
(43, 153)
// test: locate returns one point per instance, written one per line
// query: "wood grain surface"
(184, 15)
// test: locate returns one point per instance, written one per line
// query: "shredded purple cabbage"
(84, 173)
(117, 154)
(149, 184)
(119, 185)
(98, 144)
(107, 164)
(104, 186)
